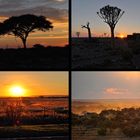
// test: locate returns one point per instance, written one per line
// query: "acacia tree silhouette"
(88, 28)
(21, 26)
(111, 16)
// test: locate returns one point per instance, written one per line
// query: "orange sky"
(34, 83)
(56, 37)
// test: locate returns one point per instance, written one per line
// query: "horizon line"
(109, 99)
(34, 96)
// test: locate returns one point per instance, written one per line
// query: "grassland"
(49, 130)
(35, 118)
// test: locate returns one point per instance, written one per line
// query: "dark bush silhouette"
(14, 112)
(38, 46)
(111, 16)
(78, 34)
(102, 131)
(21, 26)
(88, 28)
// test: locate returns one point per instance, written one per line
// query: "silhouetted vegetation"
(38, 46)
(88, 28)
(111, 16)
(38, 57)
(126, 121)
(25, 117)
(22, 26)
(78, 34)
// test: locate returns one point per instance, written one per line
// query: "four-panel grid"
(69, 70)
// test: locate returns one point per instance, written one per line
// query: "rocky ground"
(98, 54)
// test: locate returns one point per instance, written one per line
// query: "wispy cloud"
(115, 91)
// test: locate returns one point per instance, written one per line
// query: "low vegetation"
(34, 117)
(125, 122)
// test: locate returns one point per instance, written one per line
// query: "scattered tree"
(13, 111)
(88, 28)
(111, 16)
(78, 34)
(21, 26)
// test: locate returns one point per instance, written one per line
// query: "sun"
(121, 36)
(17, 91)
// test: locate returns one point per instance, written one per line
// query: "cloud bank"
(52, 9)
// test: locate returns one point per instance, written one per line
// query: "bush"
(38, 46)
(102, 131)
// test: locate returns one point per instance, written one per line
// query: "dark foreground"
(98, 54)
(50, 58)
(39, 138)
(35, 132)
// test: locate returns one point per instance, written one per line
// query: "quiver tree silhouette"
(21, 26)
(88, 28)
(111, 16)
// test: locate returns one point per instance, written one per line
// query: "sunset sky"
(105, 85)
(34, 83)
(55, 10)
(86, 10)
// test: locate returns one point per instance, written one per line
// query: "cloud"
(115, 91)
(52, 9)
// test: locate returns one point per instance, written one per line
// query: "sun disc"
(121, 36)
(17, 91)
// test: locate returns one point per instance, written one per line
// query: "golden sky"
(55, 11)
(34, 83)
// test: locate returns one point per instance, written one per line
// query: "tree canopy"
(111, 16)
(21, 26)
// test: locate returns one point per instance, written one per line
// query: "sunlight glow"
(121, 36)
(17, 91)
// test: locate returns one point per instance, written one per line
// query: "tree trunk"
(24, 42)
(112, 37)
(89, 33)
(112, 32)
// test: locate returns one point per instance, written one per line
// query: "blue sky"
(105, 85)
(85, 10)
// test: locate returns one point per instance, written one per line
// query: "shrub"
(102, 131)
